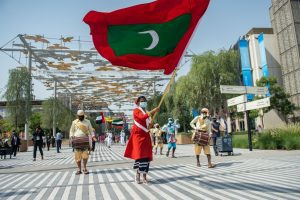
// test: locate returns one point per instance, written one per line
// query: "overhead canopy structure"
(74, 69)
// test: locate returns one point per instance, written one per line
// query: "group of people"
(10, 144)
(38, 138)
(157, 138)
(140, 145)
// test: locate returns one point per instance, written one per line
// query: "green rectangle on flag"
(148, 39)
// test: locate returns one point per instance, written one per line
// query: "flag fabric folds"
(151, 36)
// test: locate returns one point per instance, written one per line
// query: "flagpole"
(165, 92)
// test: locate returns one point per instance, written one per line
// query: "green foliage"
(208, 72)
(199, 88)
(35, 120)
(279, 99)
(63, 115)
(240, 141)
(18, 96)
(5, 125)
(287, 138)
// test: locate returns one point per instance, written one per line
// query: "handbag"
(81, 142)
(201, 138)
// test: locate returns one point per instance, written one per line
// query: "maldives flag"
(151, 36)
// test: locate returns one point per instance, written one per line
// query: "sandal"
(85, 171)
(145, 181)
(211, 166)
(78, 172)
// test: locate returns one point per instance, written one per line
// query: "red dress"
(139, 144)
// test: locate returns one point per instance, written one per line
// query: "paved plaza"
(246, 175)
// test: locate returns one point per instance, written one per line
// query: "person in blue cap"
(170, 130)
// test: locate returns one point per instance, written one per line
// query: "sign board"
(237, 100)
(257, 90)
(232, 89)
(261, 103)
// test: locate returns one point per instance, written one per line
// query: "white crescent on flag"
(155, 38)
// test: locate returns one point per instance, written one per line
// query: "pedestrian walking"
(202, 133)
(170, 130)
(38, 142)
(94, 139)
(58, 139)
(109, 138)
(80, 132)
(122, 137)
(48, 141)
(139, 147)
(215, 129)
(15, 143)
(158, 139)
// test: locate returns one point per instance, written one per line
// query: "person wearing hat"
(81, 130)
(170, 130)
(158, 138)
(202, 125)
(139, 147)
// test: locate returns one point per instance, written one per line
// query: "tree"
(279, 99)
(18, 96)
(5, 125)
(208, 72)
(63, 115)
(200, 87)
(35, 120)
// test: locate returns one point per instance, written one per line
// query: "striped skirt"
(142, 165)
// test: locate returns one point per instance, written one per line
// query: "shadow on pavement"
(214, 185)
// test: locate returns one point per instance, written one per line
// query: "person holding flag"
(139, 147)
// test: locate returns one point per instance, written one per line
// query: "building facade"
(259, 57)
(285, 19)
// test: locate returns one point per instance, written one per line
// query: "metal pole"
(28, 101)
(154, 89)
(54, 110)
(249, 131)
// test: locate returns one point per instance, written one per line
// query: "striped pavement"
(234, 179)
(101, 153)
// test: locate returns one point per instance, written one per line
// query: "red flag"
(150, 36)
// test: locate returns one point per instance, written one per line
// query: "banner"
(263, 57)
(246, 67)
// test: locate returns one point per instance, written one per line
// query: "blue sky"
(221, 26)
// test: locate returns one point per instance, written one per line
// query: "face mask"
(81, 118)
(143, 104)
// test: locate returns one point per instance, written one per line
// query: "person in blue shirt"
(170, 130)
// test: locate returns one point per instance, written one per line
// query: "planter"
(184, 139)
(23, 146)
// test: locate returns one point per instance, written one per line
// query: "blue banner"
(263, 57)
(195, 112)
(246, 67)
